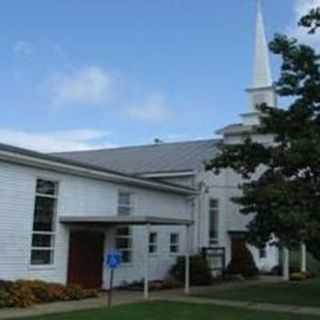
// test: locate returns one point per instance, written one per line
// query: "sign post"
(113, 261)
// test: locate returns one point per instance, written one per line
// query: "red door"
(86, 259)
(237, 246)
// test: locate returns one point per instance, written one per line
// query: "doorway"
(86, 259)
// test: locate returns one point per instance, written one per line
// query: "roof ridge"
(142, 146)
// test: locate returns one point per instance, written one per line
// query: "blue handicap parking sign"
(113, 260)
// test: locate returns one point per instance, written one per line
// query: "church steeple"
(262, 70)
(262, 90)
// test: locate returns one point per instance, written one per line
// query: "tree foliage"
(285, 196)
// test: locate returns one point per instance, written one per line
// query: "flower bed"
(24, 293)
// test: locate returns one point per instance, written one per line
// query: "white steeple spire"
(262, 90)
(262, 70)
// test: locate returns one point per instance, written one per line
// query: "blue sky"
(89, 74)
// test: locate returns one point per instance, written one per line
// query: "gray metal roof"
(12, 153)
(155, 158)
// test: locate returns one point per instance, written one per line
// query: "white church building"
(60, 213)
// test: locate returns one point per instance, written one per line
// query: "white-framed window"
(123, 243)
(174, 243)
(125, 203)
(153, 242)
(213, 221)
(44, 220)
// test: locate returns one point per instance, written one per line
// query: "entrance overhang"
(147, 221)
(122, 220)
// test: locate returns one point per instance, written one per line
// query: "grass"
(173, 311)
(304, 293)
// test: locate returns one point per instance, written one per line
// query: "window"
(263, 252)
(124, 243)
(125, 207)
(213, 221)
(43, 233)
(153, 247)
(174, 243)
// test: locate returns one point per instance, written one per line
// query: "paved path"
(125, 297)
(241, 304)
(61, 307)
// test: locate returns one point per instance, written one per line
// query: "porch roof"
(122, 220)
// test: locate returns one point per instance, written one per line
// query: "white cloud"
(94, 86)
(87, 86)
(301, 7)
(23, 48)
(153, 109)
(74, 140)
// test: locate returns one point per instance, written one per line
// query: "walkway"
(61, 307)
(125, 297)
(240, 304)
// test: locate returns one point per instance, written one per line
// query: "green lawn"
(305, 293)
(173, 311)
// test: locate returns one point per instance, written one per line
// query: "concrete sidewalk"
(128, 297)
(240, 304)
(68, 306)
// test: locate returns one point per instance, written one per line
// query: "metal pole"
(187, 264)
(286, 264)
(303, 257)
(110, 288)
(146, 262)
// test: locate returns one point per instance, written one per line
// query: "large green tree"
(285, 197)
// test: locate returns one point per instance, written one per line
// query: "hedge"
(25, 293)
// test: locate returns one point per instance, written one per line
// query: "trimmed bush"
(21, 295)
(243, 263)
(298, 276)
(301, 276)
(24, 293)
(75, 292)
(57, 292)
(4, 298)
(200, 273)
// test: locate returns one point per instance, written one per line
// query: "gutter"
(172, 174)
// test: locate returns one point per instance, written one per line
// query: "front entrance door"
(237, 245)
(86, 259)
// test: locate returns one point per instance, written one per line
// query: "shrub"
(57, 292)
(21, 295)
(243, 263)
(171, 283)
(200, 273)
(39, 289)
(5, 285)
(298, 276)
(276, 271)
(4, 298)
(76, 292)
(4, 293)
(24, 293)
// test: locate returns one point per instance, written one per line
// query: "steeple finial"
(262, 70)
